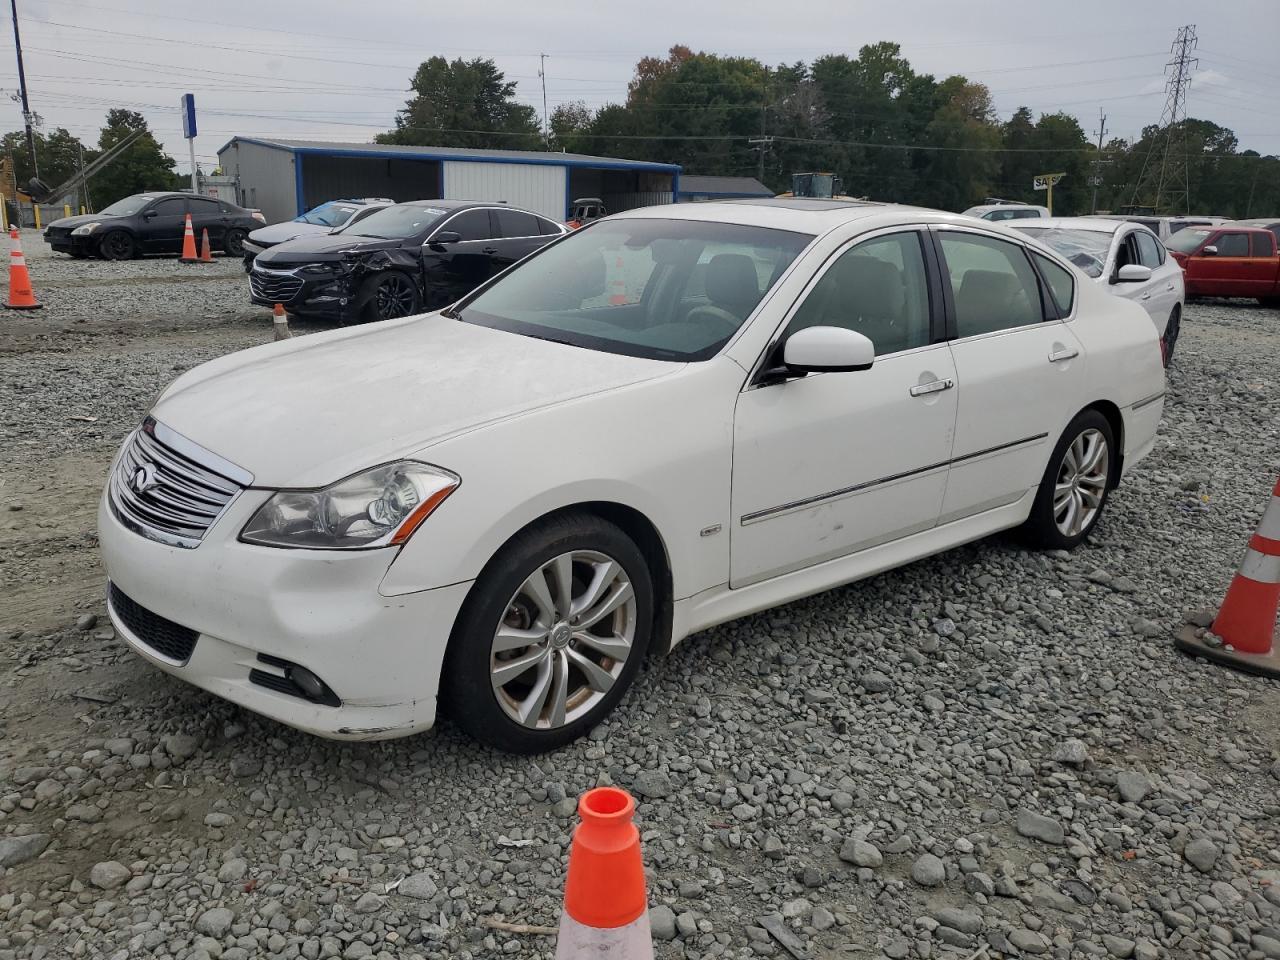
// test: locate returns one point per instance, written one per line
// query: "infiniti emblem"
(144, 479)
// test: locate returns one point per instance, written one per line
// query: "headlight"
(380, 507)
(85, 229)
(322, 269)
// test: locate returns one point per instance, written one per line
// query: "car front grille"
(277, 288)
(57, 233)
(163, 636)
(171, 491)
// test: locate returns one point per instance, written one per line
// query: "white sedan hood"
(312, 410)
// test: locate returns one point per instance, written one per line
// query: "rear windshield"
(661, 289)
(400, 222)
(1087, 249)
(1184, 241)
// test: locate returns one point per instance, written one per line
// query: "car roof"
(1254, 222)
(984, 207)
(1096, 224)
(463, 205)
(804, 215)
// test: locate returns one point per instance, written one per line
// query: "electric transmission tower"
(1164, 185)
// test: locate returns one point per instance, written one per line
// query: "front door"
(452, 270)
(1161, 293)
(162, 226)
(833, 463)
(1018, 369)
(1224, 273)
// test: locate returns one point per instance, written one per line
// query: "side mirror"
(1133, 273)
(444, 237)
(827, 350)
(1209, 251)
(149, 215)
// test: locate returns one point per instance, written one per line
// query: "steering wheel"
(710, 315)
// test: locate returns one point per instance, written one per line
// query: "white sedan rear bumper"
(320, 610)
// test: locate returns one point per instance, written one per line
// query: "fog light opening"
(312, 687)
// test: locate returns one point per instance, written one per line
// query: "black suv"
(402, 260)
(152, 223)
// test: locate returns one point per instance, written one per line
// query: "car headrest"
(870, 287)
(731, 282)
(986, 294)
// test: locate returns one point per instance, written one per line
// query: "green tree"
(58, 154)
(966, 164)
(142, 166)
(464, 103)
(571, 127)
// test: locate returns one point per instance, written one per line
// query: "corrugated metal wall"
(265, 175)
(332, 178)
(536, 187)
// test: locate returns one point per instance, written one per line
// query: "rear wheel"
(1273, 302)
(117, 245)
(1171, 330)
(551, 636)
(233, 243)
(1074, 488)
(387, 296)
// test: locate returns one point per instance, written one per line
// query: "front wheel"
(387, 296)
(550, 637)
(117, 245)
(1074, 488)
(233, 243)
(1170, 339)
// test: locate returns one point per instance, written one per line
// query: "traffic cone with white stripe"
(206, 252)
(189, 243)
(606, 910)
(280, 322)
(21, 296)
(1243, 634)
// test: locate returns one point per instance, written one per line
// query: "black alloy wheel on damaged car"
(390, 295)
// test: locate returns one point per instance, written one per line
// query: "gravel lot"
(988, 748)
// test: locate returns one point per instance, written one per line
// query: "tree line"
(142, 166)
(891, 133)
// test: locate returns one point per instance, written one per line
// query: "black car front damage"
(331, 288)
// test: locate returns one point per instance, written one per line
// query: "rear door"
(207, 214)
(1160, 294)
(452, 270)
(162, 226)
(1228, 271)
(518, 235)
(1019, 369)
(1265, 265)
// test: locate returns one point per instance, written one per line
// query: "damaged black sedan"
(404, 259)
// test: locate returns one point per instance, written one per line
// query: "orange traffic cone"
(1243, 634)
(188, 243)
(606, 911)
(206, 255)
(280, 320)
(21, 296)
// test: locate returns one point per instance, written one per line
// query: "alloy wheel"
(563, 640)
(395, 297)
(118, 246)
(1081, 484)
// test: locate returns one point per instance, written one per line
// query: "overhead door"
(536, 187)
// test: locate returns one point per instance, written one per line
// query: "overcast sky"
(337, 70)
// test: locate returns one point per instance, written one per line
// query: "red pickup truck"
(1228, 261)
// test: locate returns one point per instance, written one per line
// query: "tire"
(1052, 525)
(117, 245)
(1171, 331)
(1272, 302)
(503, 601)
(388, 295)
(233, 243)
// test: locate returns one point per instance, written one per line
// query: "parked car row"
(152, 223)
(774, 397)
(325, 218)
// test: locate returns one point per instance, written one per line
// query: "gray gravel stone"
(109, 874)
(1039, 827)
(662, 922)
(16, 850)
(652, 785)
(1133, 786)
(419, 886)
(861, 853)
(215, 922)
(1202, 854)
(928, 871)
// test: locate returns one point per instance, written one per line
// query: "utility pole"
(1160, 168)
(546, 124)
(84, 185)
(22, 86)
(764, 142)
(1097, 163)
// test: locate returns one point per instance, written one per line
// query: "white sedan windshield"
(1087, 249)
(664, 289)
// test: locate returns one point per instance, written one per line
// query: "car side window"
(1264, 244)
(471, 225)
(171, 207)
(1232, 244)
(1061, 286)
(546, 228)
(202, 208)
(992, 284)
(878, 288)
(1127, 253)
(516, 223)
(1150, 253)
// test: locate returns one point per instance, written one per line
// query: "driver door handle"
(1145, 296)
(1067, 353)
(937, 386)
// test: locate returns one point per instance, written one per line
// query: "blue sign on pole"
(189, 115)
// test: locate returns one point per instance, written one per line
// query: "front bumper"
(321, 610)
(324, 298)
(68, 243)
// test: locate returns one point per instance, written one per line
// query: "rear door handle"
(937, 386)
(489, 251)
(1145, 296)
(1067, 353)
(1170, 286)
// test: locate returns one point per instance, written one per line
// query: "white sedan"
(671, 418)
(1127, 260)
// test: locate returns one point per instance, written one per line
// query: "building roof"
(724, 186)
(451, 153)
